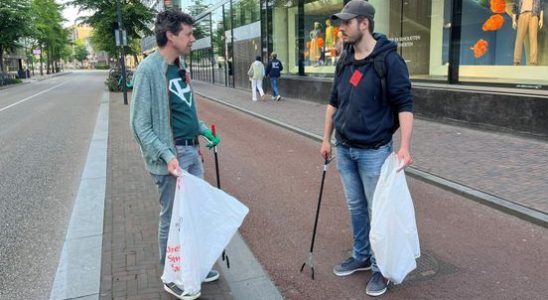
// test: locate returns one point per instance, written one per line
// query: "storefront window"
(228, 44)
(245, 12)
(218, 38)
(421, 29)
(202, 54)
(323, 42)
(284, 34)
(321, 37)
(246, 37)
(494, 49)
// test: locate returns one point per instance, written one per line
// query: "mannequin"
(329, 35)
(329, 42)
(315, 34)
(527, 17)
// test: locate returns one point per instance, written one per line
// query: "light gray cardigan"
(150, 114)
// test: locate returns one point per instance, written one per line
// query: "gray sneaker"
(351, 265)
(176, 291)
(377, 285)
(212, 276)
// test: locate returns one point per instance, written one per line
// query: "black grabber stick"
(310, 260)
(213, 130)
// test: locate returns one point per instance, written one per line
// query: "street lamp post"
(122, 44)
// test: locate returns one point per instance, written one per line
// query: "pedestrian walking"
(371, 95)
(256, 74)
(273, 71)
(165, 123)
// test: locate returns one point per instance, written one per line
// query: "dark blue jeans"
(360, 170)
(274, 84)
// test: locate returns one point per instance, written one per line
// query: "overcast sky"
(70, 13)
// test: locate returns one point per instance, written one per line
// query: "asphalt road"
(469, 251)
(45, 131)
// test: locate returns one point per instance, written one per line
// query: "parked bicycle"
(114, 80)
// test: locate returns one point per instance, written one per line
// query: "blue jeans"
(360, 170)
(190, 161)
(274, 84)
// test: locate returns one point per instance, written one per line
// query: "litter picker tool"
(310, 260)
(214, 132)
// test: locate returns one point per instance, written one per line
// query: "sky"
(70, 13)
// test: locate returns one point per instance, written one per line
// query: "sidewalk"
(487, 166)
(130, 264)
(38, 77)
(506, 166)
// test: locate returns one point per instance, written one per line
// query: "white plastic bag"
(394, 238)
(203, 221)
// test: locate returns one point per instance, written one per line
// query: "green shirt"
(184, 119)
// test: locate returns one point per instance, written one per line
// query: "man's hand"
(325, 150)
(173, 167)
(405, 157)
(213, 139)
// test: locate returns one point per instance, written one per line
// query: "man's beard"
(357, 40)
(183, 50)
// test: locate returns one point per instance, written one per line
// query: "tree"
(80, 51)
(201, 29)
(135, 17)
(51, 37)
(14, 20)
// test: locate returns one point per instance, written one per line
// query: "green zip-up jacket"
(150, 114)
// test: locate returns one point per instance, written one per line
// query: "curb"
(78, 274)
(504, 205)
(249, 281)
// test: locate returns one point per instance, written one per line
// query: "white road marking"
(30, 97)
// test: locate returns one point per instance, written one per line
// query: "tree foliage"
(80, 51)
(201, 28)
(47, 29)
(14, 20)
(136, 18)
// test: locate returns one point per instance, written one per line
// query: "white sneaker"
(278, 98)
(212, 276)
(176, 291)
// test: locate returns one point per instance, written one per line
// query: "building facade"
(468, 62)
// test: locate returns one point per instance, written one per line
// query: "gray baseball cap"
(354, 9)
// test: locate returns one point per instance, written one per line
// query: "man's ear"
(169, 35)
(363, 25)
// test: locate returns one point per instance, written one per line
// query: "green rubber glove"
(214, 139)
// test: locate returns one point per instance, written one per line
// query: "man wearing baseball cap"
(370, 98)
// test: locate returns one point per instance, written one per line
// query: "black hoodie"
(363, 119)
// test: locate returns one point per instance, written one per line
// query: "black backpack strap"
(379, 63)
(342, 60)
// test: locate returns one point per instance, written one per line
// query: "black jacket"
(274, 68)
(363, 118)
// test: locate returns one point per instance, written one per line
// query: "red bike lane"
(469, 251)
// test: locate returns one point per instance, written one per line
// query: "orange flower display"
(480, 48)
(495, 22)
(336, 32)
(319, 42)
(498, 6)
